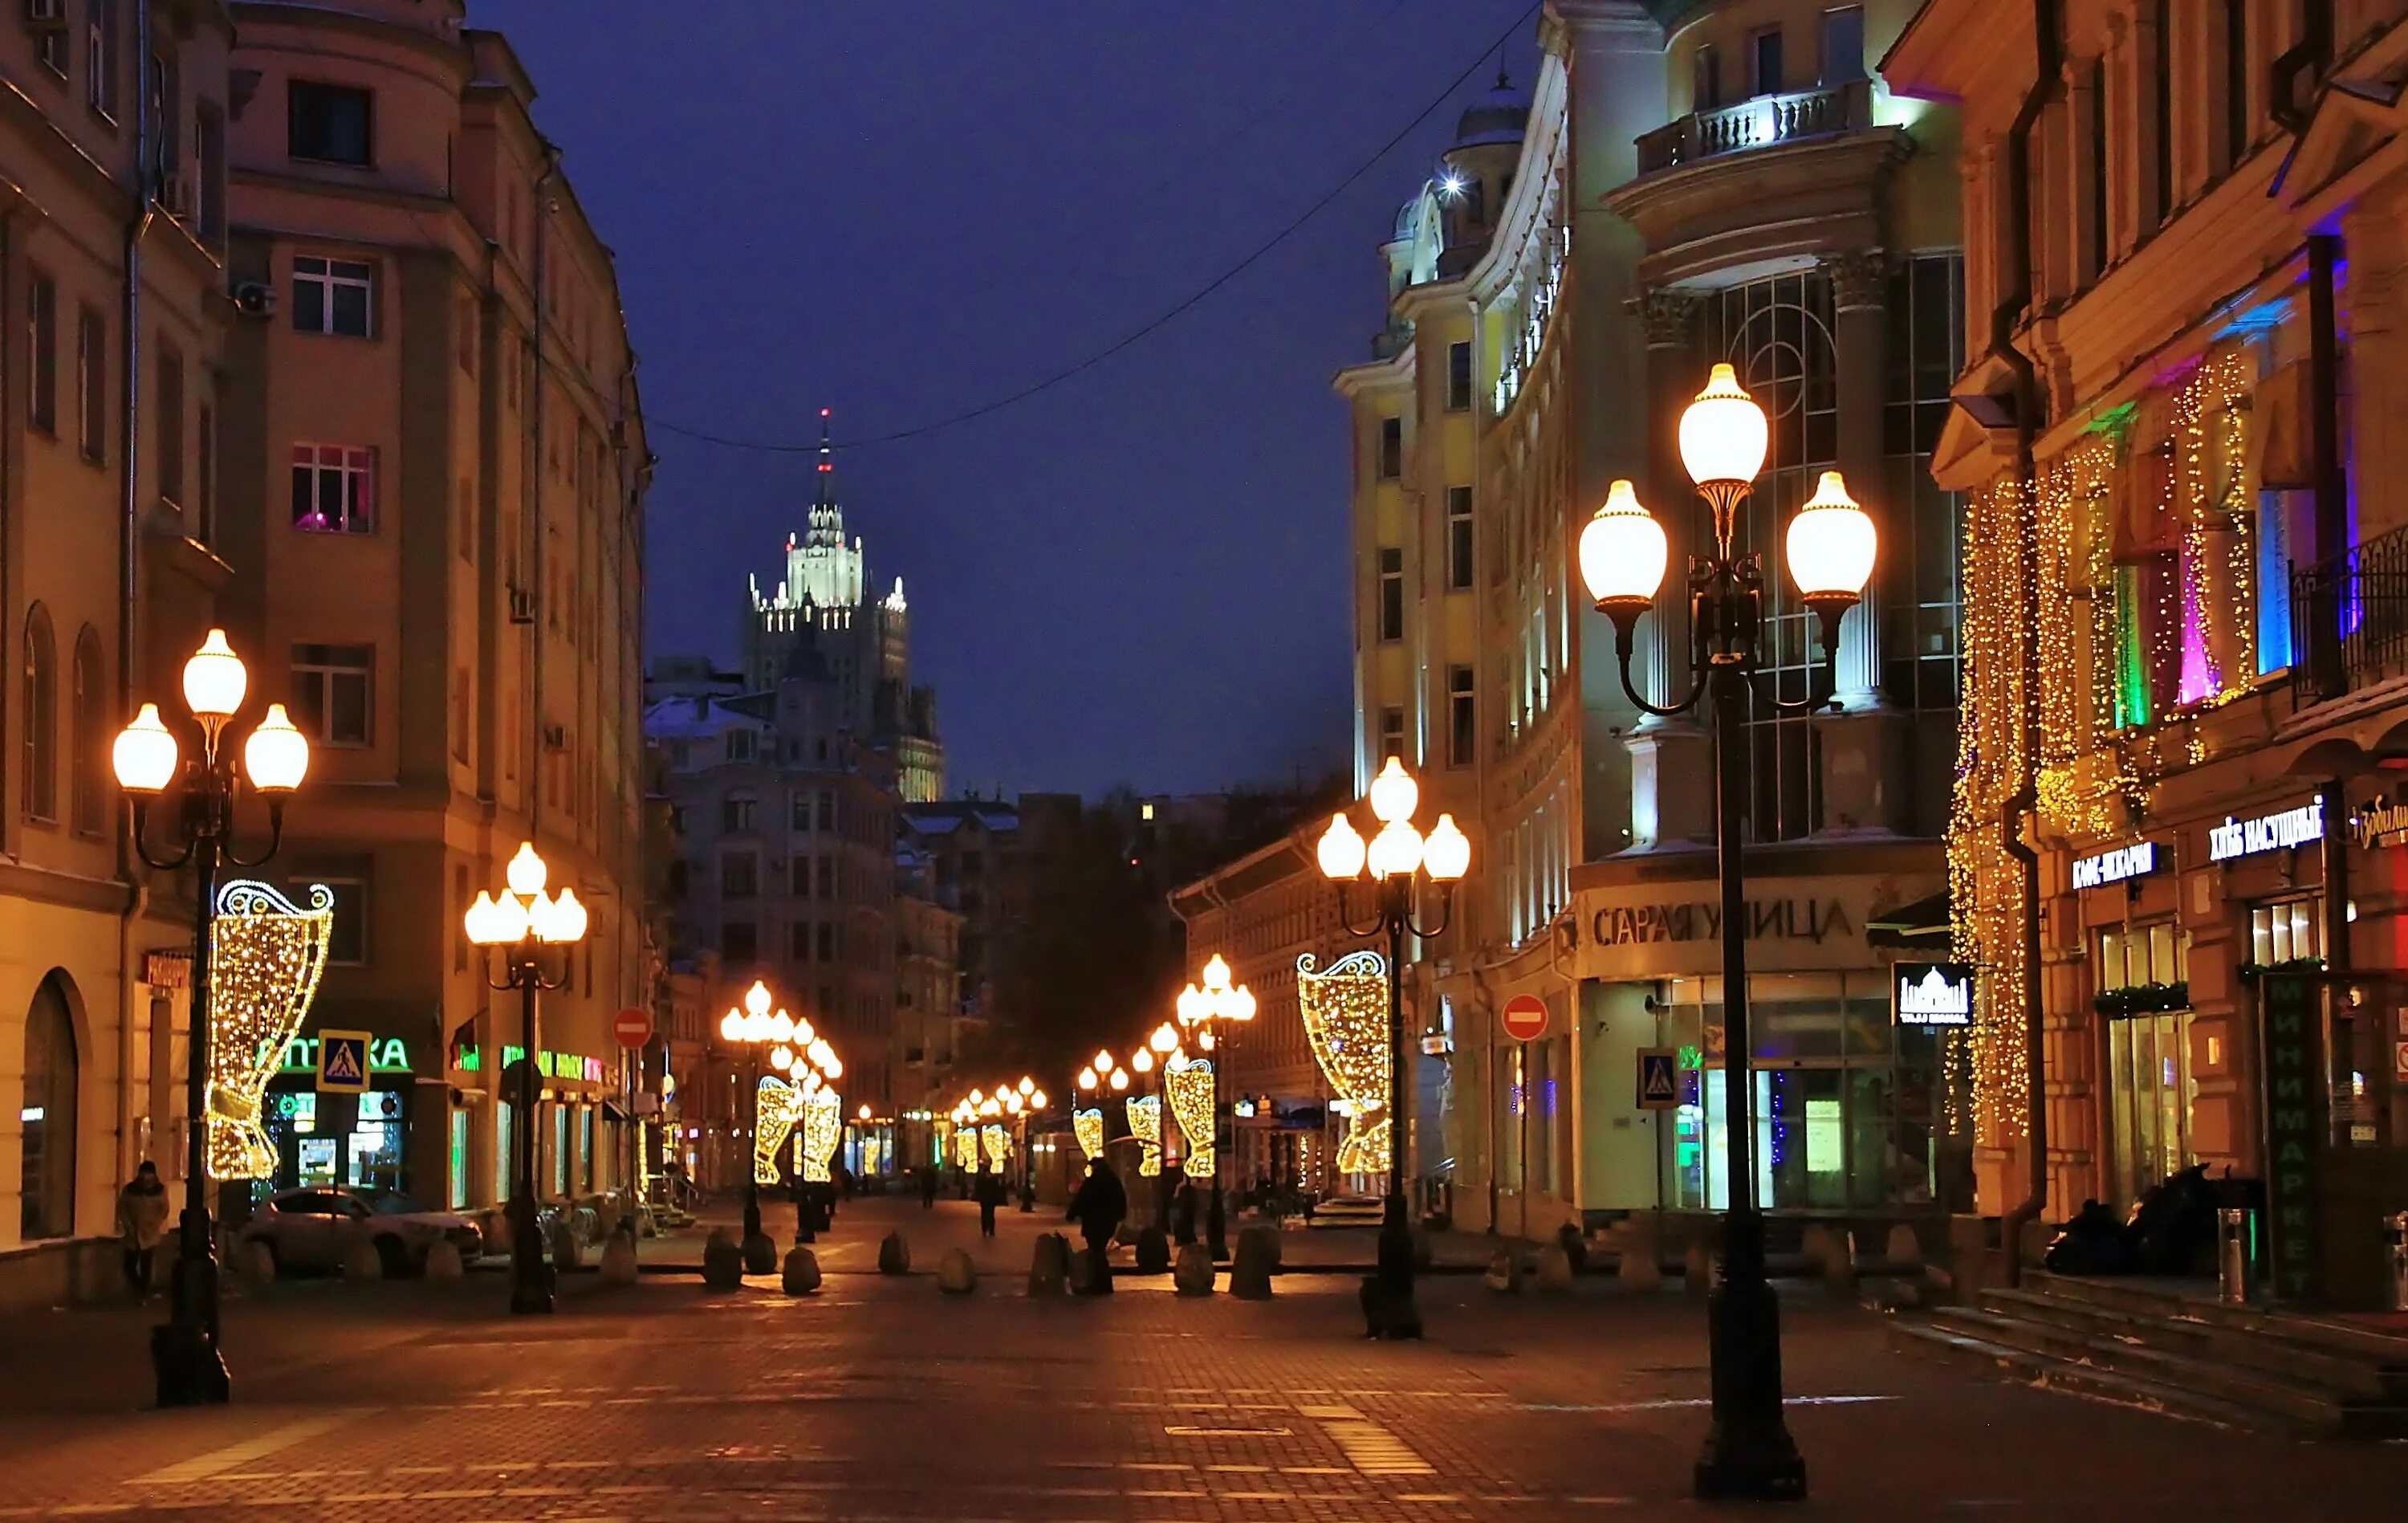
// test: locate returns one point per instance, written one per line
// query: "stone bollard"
(955, 1274)
(443, 1261)
(362, 1263)
(568, 1250)
(1575, 1245)
(722, 1262)
(1696, 1268)
(801, 1275)
(1904, 1251)
(619, 1258)
(894, 1254)
(1839, 1261)
(255, 1261)
(1554, 1270)
(1152, 1251)
(1193, 1275)
(1250, 1272)
(760, 1255)
(1049, 1267)
(1504, 1274)
(1638, 1271)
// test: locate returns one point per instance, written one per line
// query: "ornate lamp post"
(1831, 542)
(1217, 1000)
(275, 757)
(517, 931)
(752, 1030)
(1398, 859)
(811, 1068)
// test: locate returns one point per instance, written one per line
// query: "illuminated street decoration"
(965, 1148)
(1089, 1124)
(266, 958)
(1190, 1087)
(778, 1106)
(822, 1129)
(1346, 1017)
(1145, 1125)
(997, 1141)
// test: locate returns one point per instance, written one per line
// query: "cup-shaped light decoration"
(1141, 1061)
(526, 874)
(1723, 434)
(144, 756)
(1396, 852)
(1832, 544)
(275, 757)
(1394, 795)
(1447, 855)
(1341, 850)
(1623, 552)
(756, 999)
(214, 680)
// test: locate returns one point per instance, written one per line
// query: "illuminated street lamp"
(750, 1030)
(184, 1353)
(1200, 1006)
(518, 931)
(1623, 553)
(1398, 859)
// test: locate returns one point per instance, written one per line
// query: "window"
(329, 123)
(332, 295)
(801, 881)
(2095, 255)
(738, 743)
(347, 938)
(740, 876)
(1764, 63)
(1392, 732)
(89, 764)
(209, 161)
(827, 810)
(460, 903)
(1391, 593)
(1843, 45)
(828, 888)
(1706, 78)
(1459, 538)
(40, 704)
(735, 811)
(330, 692)
(92, 383)
(100, 57)
(1392, 447)
(205, 474)
(1458, 378)
(2284, 933)
(463, 714)
(334, 489)
(798, 942)
(42, 352)
(1463, 722)
(827, 939)
(56, 49)
(2236, 83)
(2161, 105)
(740, 943)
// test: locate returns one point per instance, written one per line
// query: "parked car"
(313, 1229)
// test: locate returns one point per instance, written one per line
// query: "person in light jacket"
(143, 1222)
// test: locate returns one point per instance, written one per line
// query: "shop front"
(330, 1139)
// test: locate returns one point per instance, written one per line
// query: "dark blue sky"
(904, 211)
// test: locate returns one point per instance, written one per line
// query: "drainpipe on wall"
(129, 538)
(2313, 53)
(2019, 813)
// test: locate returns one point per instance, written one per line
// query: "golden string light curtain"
(1346, 1018)
(267, 954)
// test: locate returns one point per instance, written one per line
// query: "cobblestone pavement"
(880, 1400)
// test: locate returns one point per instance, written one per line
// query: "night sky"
(907, 211)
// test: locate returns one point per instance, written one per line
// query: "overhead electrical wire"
(1142, 331)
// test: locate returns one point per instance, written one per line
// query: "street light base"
(191, 1370)
(1748, 1455)
(531, 1275)
(532, 1297)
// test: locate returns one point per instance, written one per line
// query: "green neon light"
(2131, 652)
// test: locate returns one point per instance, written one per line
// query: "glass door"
(2150, 1093)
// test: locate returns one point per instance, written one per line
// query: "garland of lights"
(996, 1141)
(965, 1148)
(1145, 1125)
(777, 1106)
(1345, 1014)
(266, 958)
(1089, 1126)
(1192, 1096)
(816, 1139)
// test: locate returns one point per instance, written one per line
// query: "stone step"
(2381, 1349)
(1930, 1340)
(2269, 1350)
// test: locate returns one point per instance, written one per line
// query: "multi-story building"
(1686, 183)
(2184, 685)
(929, 1018)
(431, 501)
(112, 247)
(968, 856)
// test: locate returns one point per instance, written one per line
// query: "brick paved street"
(878, 1399)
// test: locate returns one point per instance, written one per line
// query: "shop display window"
(2149, 1085)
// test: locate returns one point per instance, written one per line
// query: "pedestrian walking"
(1100, 1208)
(143, 1222)
(990, 1195)
(1187, 1203)
(928, 1188)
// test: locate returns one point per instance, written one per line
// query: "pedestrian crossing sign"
(1659, 1082)
(343, 1062)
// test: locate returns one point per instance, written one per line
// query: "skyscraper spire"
(826, 519)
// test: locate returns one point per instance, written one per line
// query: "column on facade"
(1671, 760)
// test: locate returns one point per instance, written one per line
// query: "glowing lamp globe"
(1036, 1101)
(527, 873)
(144, 756)
(1087, 1078)
(1341, 850)
(731, 1026)
(214, 679)
(1447, 855)
(509, 921)
(1103, 1063)
(1623, 551)
(803, 1035)
(1141, 1061)
(863, 1114)
(478, 921)
(1120, 1079)
(543, 919)
(780, 1059)
(1832, 543)
(275, 757)
(568, 918)
(1216, 973)
(756, 999)
(1723, 433)
(1393, 793)
(1165, 1039)
(1396, 851)
(1240, 1005)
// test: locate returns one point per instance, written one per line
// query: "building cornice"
(1391, 374)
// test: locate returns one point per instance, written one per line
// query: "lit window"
(334, 489)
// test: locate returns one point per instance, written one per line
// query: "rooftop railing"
(1758, 123)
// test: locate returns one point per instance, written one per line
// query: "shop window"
(2149, 1084)
(2286, 932)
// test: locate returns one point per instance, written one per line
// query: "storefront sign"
(1784, 919)
(386, 1055)
(1932, 993)
(575, 1067)
(2380, 822)
(2101, 868)
(2300, 826)
(2295, 1129)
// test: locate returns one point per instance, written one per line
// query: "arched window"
(41, 712)
(88, 768)
(47, 1114)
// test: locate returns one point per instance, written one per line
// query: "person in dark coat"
(141, 1223)
(1187, 1202)
(928, 1188)
(990, 1195)
(1100, 1208)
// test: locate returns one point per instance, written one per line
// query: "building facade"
(1689, 183)
(2175, 848)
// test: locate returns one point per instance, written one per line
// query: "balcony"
(1763, 121)
(2363, 595)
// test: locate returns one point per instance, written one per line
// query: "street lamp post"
(810, 1065)
(516, 929)
(1217, 1000)
(184, 1351)
(1748, 1451)
(1032, 1100)
(752, 1029)
(1396, 859)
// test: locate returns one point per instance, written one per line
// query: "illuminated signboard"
(2267, 833)
(2101, 868)
(386, 1055)
(1933, 993)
